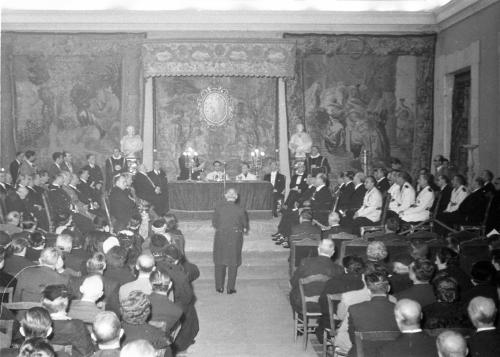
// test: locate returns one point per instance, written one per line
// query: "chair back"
(48, 211)
(380, 336)
(23, 305)
(486, 214)
(435, 212)
(105, 202)
(465, 332)
(6, 327)
(386, 198)
(6, 294)
(302, 249)
(332, 298)
(310, 290)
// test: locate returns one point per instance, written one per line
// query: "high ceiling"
(236, 17)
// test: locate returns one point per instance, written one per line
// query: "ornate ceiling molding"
(252, 58)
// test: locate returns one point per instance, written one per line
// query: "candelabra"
(190, 160)
(257, 156)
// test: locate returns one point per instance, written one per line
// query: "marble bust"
(300, 143)
(131, 144)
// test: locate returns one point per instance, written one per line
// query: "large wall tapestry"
(73, 92)
(356, 93)
(178, 122)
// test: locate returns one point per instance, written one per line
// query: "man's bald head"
(326, 247)
(145, 263)
(482, 311)
(92, 288)
(106, 328)
(451, 344)
(408, 314)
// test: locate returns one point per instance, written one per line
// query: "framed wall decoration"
(215, 106)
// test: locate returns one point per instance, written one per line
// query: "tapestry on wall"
(73, 93)
(356, 93)
(179, 125)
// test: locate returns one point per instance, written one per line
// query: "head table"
(197, 199)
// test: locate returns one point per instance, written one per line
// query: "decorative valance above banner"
(248, 58)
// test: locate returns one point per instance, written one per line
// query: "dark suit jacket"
(383, 185)
(110, 297)
(161, 182)
(485, 290)
(162, 309)
(121, 207)
(74, 333)
(417, 344)
(87, 193)
(357, 197)
(312, 266)
(338, 285)
(421, 293)
(303, 230)
(95, 174)
(485, 344)
(31, 281)
(14, 264)
(302, 185)
(374, 315)
(345, 195)
(14, 169)
(473, 207)
(279, 182)
(488, 188)
(59, 201)
(321, 204)
(54, 170)
(144, 187)
(443, 198)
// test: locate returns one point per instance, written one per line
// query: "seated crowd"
(82, 276)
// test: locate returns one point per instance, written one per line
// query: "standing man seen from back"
(230, 222)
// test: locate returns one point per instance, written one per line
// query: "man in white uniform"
(420, 211)
(245, 174)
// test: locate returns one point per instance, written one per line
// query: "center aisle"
(257, 321)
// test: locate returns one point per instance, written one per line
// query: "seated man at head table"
(245, 175)
(218, 173)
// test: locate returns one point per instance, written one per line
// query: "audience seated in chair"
(447, 264)
(412, 341)
(86, 307)
(66, 331)
(482, 273)
(421, 209)
(485, 341)
(145, 265)
(371, 210)
(116, 269)
(420, 273)
(107, 333)
(305, 229)
(164, 313)
(48, 272)
(322, 264)
(15, 260)
(37, 242)
(451, 344)
(38, 347)
(447, 311)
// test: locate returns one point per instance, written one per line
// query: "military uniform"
(403, 199)
(457, 196)
(230, 222)
(420, 211)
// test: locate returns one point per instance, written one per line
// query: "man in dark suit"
(305, 229)
(321, 200)
(345, 191)
(146, 189)
(67, 164)
(121, 206)
(15, 165)
(96, 178)
(374, 315)
(56, 167)
(488, 187)
(420, 273)
(350, 280)
(412, 341)
(472, 209)
(322, 264)
(482, 274)
(279, 182)
(383, 184)
(298, 184)
(86, 193)
(358, 194)
(485, 341)
(444, 195)
(159, 178)
(230, 222)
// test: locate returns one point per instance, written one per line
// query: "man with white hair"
(146, 189)
(451, 344)
(230, 221)
(107, 332)
(485, 341)
(412, 341)
(86, 308)
(145, 265)
(136, 348)
(122, 206)
(322, 264)
(33, 279)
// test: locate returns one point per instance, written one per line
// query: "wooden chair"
(481, 229)
(383, 217)
(48, 211)
(24, 305)
(373, 336)
(6, 292)
(305, 322)
(6, 327)
(300, 250)
(330, 333)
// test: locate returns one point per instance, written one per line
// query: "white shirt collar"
(319, 188)
(315, 156)
(356, 187)
(486, 328)
(412, 331)
(380, 179)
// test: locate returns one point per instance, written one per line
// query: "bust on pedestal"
(131, 144)
(300, 144)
